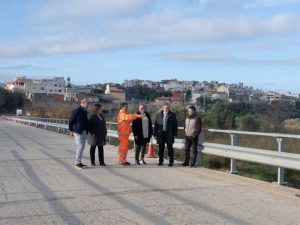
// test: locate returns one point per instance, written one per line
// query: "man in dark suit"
(165, 131)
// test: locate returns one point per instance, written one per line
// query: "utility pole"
(204, 103)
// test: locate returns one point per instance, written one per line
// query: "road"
(40, 185)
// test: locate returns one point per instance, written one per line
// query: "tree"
(10, 101)
(277, 113)
(220, 116)
(249, 122)
(68, 82)
(188, 95)
(144, 92)
(97, 91)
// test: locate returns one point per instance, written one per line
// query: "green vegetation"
(144, 92)
(10, 101)
(188, 95)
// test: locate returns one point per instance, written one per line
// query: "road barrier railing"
(280, 158)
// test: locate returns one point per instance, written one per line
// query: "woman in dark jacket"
(142, 132)
(97, 134)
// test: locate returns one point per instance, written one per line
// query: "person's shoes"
(137, 163)
(93, 164)
(170, 164)
(185, 164)
(83, 165)
(127, 163)
(78, 166)
(192, 165)
(160, 164)
(143, 161)
(102, 164)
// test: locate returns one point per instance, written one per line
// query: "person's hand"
(155, 137)
(71, 134)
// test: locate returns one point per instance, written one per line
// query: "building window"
(55, 90)
(42, 88)
(55, 85)
(50, 90)
(59, 90)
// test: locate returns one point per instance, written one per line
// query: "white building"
(132, 83)
(194, 97)
(236, 92)
(220, 96)
(148, 83)
(34, 86)
(174, 86)
(278, 97)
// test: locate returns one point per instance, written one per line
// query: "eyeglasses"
(142, 108)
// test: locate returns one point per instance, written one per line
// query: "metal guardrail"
(280, 159)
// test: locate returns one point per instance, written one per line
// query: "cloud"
(214, 56)
(269, 3)
(234, 4)
(32, 67)
(87, 8)
(151, 30)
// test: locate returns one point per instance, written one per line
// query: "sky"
(256, 42)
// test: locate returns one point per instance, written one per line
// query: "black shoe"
(78, 166)
(143, 161)
(83, 165)
(93, 164)
(170, 164)
(127, 163)
(137, 163)
(192, 165)
(185, 164)
(160, 164)
(102, 164)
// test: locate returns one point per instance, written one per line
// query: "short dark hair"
(123, 105)
(97, 106)
(192, 108)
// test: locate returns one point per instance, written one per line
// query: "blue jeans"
(80, 141)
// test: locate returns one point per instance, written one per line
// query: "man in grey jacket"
(192, 130)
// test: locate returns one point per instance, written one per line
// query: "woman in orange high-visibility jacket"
(124, 129)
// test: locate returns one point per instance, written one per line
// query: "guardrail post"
(234, 140)
(109, 138)
(280, 173)
(199, 150)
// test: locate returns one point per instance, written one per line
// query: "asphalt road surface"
(40, 185)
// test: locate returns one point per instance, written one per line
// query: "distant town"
(166, 91)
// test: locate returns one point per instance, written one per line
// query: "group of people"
(92, 128)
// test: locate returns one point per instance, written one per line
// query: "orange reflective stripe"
(124, 123)
(123, 133)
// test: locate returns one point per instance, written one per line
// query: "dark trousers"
(100, 154)
(162, 149)
(191, 142)
(140, 149)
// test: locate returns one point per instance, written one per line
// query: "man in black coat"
(78, 127)
(165, 131)
(142, 131)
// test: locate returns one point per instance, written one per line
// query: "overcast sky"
(252, 41)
